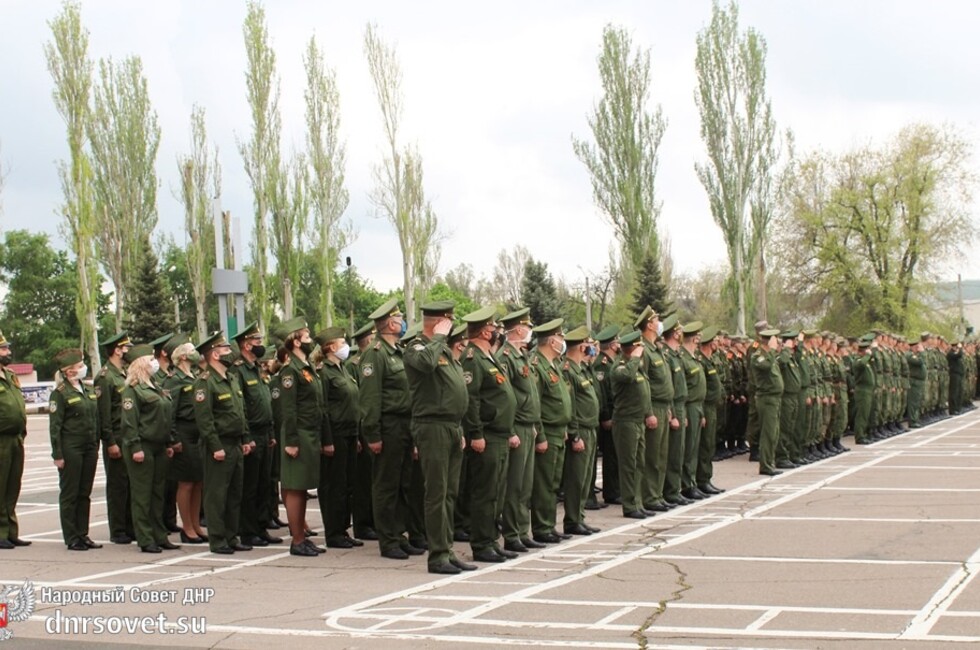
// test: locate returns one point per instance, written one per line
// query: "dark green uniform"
(864, 389)
(714, 400)
(652, 464)
(74, 426)
(363, 508)
(694, 408)
(187, 465)
(340, 399)
(917, 381)
(109, 386)
(768, 390)
(556, 412)
(439, 400)
(631, 407)
(675, 444)
(789, 405)
(146, 427)
(576, 478)
(13, 429)
(602, 369)
(220, 414)
(257, 465)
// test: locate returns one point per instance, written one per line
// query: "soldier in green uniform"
(556, 412)
(109, 386)
(439, 399)
(714, 399)
(74, 427)
(13, 429)
(162, 355)
(513, 356)
(339, 439)
(789, 402)
(187, 464)
(363, 508)
(768, 383)
(632, 413)
(864, 387)
(220, 415)
(694, 409)
(257, 464)
(658, 420)
(954, 359)
(608, 340)
(752, 425)
(385, 420)
(580, 448)
(489, 429)
(678, 422)
(147, 446)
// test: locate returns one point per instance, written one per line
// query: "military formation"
(471, 432)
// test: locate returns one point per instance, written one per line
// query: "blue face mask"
(404, 329)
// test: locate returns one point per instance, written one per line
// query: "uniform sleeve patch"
(127, 404)
(98, 391)
(200, 395)
(53, 407)
(468, 377)
(275, 393)
(287, 381)
(600, 376)
(418, 347)
(366, 370)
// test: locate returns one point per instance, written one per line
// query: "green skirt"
(188, 465)
(302, 472)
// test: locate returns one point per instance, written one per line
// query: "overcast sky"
(493, 93)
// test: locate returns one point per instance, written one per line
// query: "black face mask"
(306, 347)
(495, 338)
(6, 359)
(227, 360)
(258, 351)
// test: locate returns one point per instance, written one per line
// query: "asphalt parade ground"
(874, 548)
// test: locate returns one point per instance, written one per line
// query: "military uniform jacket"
(146, 417)
(765, 373)
(659, 373)
(585, 401)
(258, 397)
(492, 403)
(301, 402)
(693, 376)
(439, 391)
(723, 371)
(954, 359)
(219, 410)
(525, 386)
(109, 386)
(864, 373)
(802, 357)
(631, 401)
(673, 358)
(790, 370)
(181, 387)
(917, 366)
(384, 387)
(601, 369)
(13, 411)
(714, 389)
(73, 416)
(340, 399)
(556, 399)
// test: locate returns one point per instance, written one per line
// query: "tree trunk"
(202, 320)
(287, 298)
(740, 291)
(328, 302)
(761, 297)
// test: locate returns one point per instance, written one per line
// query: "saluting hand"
(444, 326)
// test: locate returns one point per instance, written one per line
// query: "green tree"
(200, 183)
(327, 157)
(151, 304)
(124, 137)
(39, 284)
(464, 303)
(649, 289)
(738, 131)
(289, 205)
(174, 268)
(872, 227)
(538, 292)
(622, 161)
(260, 152)
(71, 70)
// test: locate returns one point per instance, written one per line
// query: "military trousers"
(838, 422)
(363, 508)
(461, 514)
(863, 410)
(610, 464)
(675, 453)
(752, 423)
(392, 482)
(256, 475)
(652, 462)
(955, 393)
(516, 511)
(916, 390)
(708, 445)
(692, 444)
(119, 512)
(223, 494)
(577, 477)
(11, 473)
(630, 440)
(272, 487)
(415, 516)
(788, 418)
(334, 490)
(147, 484)
(768, 409)
(440, 455)
(487, 470)
(75, 482)
(547, 477)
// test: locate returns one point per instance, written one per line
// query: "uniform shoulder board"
(534, 361)
(61, 387)
(205, 375)
(377, 346)
(104, 371)
(418, 347)
(238, 362)
(566, 366)
(469, 353)
(506, 351)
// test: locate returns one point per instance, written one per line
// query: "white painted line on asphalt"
(619, 613)
(922, 624)
(945, 468)
(897, 520)
(765, 618)
(800, 560)
(900, 489)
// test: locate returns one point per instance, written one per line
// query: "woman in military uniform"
(186, 467)
(74, 428)
(301, 406)
(146, 448)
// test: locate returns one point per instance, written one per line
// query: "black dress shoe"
(708, 489)
(488, 555)
(89, 543)
(223, 550)
(354, 541)
(419, 543)
(576, 529)
(530, 543)
(339, 542)
(507, 555)
(785, 464)
(515, 547)
(121, 539)
(546, 538)
(255, 541)
(635, 514)
(272, 525)
(394, 554)
(614, 501)
(173, 528)
(770, 472)
(151, 548)
(446, 568)
(168, 546)
(659, 506)
(271, 539)
(190, 540)
(411, 549)
(462, 566)
(715, 488)
(77, 545)
(303, 550)
(693, 494)
(461, 536)
(592, 529)
(560, 535)
(311, 545)
(241, 547)
(367, 533)
(310, 533)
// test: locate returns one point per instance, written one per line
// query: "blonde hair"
(181, 352)
(139, 371)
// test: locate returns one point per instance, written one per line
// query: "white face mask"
(154, 366)
(564, 347)
(527, 337)
(82, 373)
(660, 329)
(343, 352)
